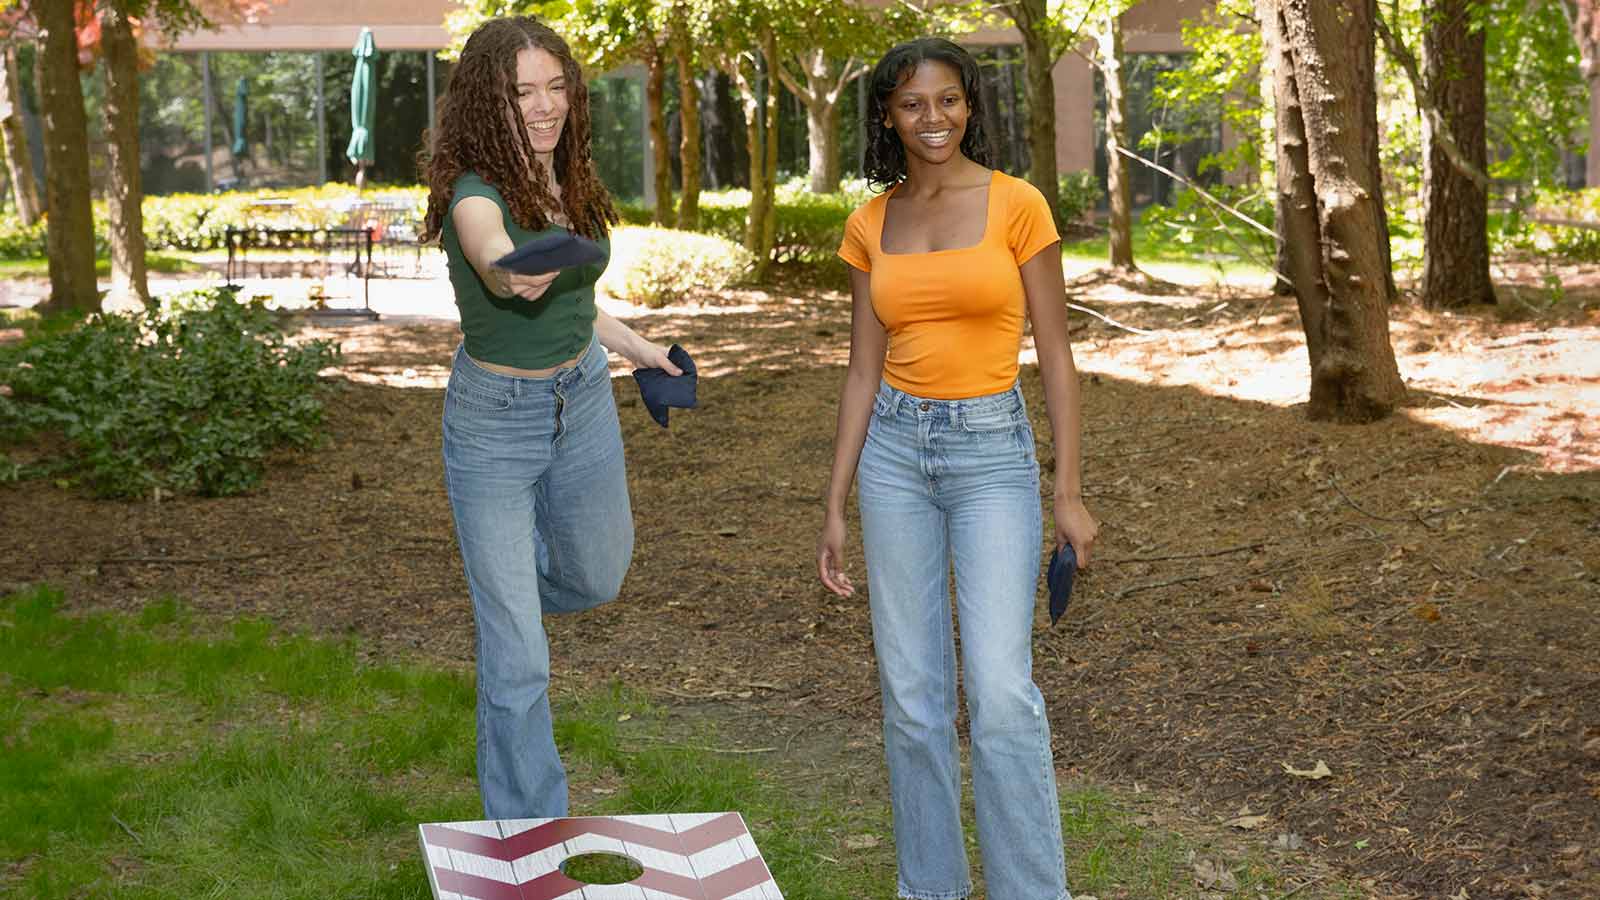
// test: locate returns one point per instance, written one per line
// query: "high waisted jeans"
(955, 483)
(540, 497)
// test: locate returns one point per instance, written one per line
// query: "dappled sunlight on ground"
(1532, 386)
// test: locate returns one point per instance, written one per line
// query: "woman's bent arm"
(868, 344)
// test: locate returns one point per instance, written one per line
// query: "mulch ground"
(1409, 607)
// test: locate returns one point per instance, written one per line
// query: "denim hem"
(908, 894)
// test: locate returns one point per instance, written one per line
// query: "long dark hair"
(479, 131)
(885, 163)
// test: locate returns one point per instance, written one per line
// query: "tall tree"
(1042, 44)
(19, 158)
(683, 51)
(1450, 90)
(120, 51)
(825, 49)
(70, 232)
(1324, 78)
(1108, 38)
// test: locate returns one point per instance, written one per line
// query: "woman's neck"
(924, 178)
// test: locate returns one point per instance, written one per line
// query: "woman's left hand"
(1075, 526)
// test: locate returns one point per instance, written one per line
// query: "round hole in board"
(601, 868)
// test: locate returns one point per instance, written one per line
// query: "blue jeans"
(540, 498)
(947, 483)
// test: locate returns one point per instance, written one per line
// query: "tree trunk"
(1455, 269)
(822, 140)
(1354, 377)
(66, 155)
(19, 159)
(745, 80)
(1365, 63)
(1118, 189)
(1038, 58)
(689, 148)
(655, 88)
(769, 225)
(121, 49)
(717, 131)
(1299, 233)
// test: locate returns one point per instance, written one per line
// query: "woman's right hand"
(528, 287)
(830, 556)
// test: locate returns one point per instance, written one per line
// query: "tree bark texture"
(769, 224)
(819, 88)
(1038, 58)
(744, 77)
(689, 117)
(1343, 296)
(1455, 270)
(1364, 59)
(120, 51)
(19, 158)
(1299, 231)
(655, 88)
(1118, 190)
(66, 153)
(717, 133)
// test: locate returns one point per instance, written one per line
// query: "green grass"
(160, 755)
(158, 263)
(1161, 255)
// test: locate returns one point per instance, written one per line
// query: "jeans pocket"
(478, 398)
(991, 420)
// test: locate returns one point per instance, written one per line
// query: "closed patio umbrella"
(363, 96)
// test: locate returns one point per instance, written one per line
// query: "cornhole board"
(693, 856)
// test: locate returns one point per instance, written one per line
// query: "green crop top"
(525, 334)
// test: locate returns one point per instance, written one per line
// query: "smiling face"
(541, 91)
(929, 112)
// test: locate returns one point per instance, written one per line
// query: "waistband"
(591, 364)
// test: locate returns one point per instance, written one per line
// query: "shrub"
(189, 399)
(195, 222)
(1080, 194)
(1193, 222)
(660, 266)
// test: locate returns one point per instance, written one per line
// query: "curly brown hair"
(479, 131)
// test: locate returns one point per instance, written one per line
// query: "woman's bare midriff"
(515, 372)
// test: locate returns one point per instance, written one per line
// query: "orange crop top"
(954, 317)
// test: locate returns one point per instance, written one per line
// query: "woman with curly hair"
(944, 267)
(532, 448)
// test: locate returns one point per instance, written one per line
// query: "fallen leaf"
(1288, 840)
(727, 532)
(1319, 771)
(861, 842)
(1426, 611)
(1247, 823)
(1215, 876)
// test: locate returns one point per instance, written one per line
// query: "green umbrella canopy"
(241, 107)
(363, 94)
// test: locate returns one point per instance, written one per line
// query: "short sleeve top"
(954, 317)
(511, 331)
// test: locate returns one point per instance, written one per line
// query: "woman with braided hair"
(532, 447)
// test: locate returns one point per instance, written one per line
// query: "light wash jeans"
(942, 483)
(537, 486)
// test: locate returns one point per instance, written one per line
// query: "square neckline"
(988, 222)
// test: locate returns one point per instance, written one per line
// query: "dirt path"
(1411, 603)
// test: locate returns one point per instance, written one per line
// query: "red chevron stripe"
(549, 886)
(474, 886)
(723, 884)
(540, 837)
(546, 887)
